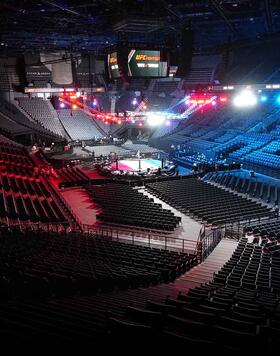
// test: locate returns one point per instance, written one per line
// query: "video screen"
(113, 67)
(146, 63)
(173, 71)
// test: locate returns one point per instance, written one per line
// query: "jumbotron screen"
(113, 67)
(146, 63)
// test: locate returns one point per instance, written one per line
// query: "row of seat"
(124, 205)
(37, 264)
(269, 193)
(30, 208)
(228, 312)
(72, 174)
(207, 202)
(26, 185)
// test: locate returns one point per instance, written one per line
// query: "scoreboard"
(146, 63)
(113, 67)
(138, 63)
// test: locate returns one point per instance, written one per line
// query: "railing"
(149, 239)
(207, 241)
(142, 237)
(235, 230)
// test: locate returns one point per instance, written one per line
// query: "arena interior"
(139, 180)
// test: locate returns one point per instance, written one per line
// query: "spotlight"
(214, 103)
(245, 99)
(134, 101)
(154, 119)
(74, 106)
(62, 105)
(263, 98)
(278, 99)
(167, 123)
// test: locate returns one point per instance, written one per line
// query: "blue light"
(263, 98)
(278, 99)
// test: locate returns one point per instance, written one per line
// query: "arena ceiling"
(91, 25)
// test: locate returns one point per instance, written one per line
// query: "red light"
(140, 124)
(74, 106)
(223, 99)
(73, 97)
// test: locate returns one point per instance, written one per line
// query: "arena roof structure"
(93, 24)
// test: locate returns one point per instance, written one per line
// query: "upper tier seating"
(11, 127)
(248, 136)
(78, 125)
(167, 86)
(42, 111)
(140, 147)
(207, 202)
(124, 205)
(105, 150)
(17, 115)
(4, 77)
(199, 76)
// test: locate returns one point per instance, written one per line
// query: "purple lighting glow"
(62, 105)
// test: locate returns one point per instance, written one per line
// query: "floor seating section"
(124, 205)
(24, 197)
(207, 202)
(238, 310)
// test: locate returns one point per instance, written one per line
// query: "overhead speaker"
(186, 52)
(122, 50)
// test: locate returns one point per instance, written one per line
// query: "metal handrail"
(150, 238)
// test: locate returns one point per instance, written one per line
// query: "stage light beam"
(154, 119)
(246, 98)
